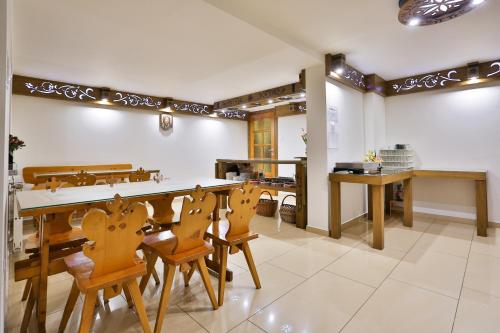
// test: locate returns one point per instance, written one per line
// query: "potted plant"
(14, 144)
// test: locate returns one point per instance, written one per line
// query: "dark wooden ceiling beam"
(36, 87)
(261, 97)
(448, 78)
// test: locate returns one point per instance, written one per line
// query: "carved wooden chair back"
(53, 184)
(139, 176)
(82, 179)
(114, 238)
(196, 217)
(242, 202)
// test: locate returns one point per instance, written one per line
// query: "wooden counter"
(300, 189)
(376, 184)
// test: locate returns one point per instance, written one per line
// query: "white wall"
(351, 143)
(454, 129)
(58, 132)
(290, 144)
(5, 88)
(374, 120)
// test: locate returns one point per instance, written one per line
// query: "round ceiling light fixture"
(427, 12)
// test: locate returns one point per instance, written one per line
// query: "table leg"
(481, 208)
(408, 202)
(44, 235)
(335, 217)
(370, 203)
(378, 216)
(213, 264)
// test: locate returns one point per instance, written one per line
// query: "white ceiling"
(215, 49)
(186, 49)
(369, 33)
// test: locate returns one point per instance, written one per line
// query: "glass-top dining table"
(44, 202)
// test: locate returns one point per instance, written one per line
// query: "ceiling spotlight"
(302, 95)
(477, 2)
(473, 72)
(269, 101)
(414, 22)
(338, 64)
(213, 115)
(243, 106)
(105, 94)
(167, 109)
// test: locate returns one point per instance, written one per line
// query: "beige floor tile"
(367, 265)
(329, 246)
(487, 245)
(445, 244)
(263, 249)
(483, 274)
(295, 236)
(452, 229)
(398, 238)
(241, 299)
(434, 271)
(302, 261)
(324, 303)
(269, 225)
(419, 224)
(247, 327)
(397, 307)
(359, 229)
(477, 312)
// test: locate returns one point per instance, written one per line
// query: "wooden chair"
(82, 179)
(108, 260)
(63, 240)
(139, 176)
(182, 246)
(234, 234)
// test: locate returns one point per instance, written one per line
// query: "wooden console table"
(300, 189)
(376, 184)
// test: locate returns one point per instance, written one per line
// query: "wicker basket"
(267, 207)
(287, 211)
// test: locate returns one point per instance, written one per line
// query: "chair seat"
(163, 243)
(81, 266)
(71, 238)
(221, 238)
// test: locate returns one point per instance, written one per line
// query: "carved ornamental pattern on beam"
(495, 69)
(137, 100)
(236, 114)
(66, 90)
(195, 108)
(428, 81)
(357, 78)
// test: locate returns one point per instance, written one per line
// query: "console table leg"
(481, 208)
(378, 216)
(335, 222)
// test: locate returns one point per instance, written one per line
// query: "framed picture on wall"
(332, 120)
(166, 121)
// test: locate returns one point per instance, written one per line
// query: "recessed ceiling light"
(244, 106)
(213, 115)
(269, 101)
(477, 2)
(339, 71)
(414, 22)
(303, 95)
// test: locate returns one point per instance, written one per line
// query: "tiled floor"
(436, 277)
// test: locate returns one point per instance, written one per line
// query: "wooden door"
(262, 140)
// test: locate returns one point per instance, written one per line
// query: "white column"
(317, 156)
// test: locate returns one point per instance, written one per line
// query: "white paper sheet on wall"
(332, 119)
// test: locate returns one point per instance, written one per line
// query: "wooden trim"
(291, 109)
(473, 175)
(45, 88)
(29, 172)
(350, 77)
(260, 98)
(447, 78)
